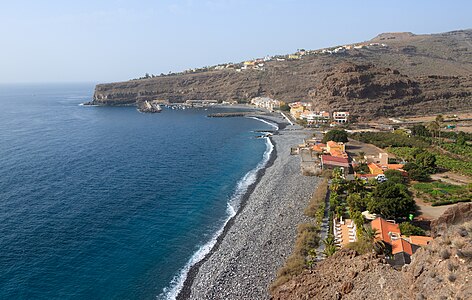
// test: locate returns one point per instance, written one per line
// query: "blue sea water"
(109, 203)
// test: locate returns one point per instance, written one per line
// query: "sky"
(116, 40)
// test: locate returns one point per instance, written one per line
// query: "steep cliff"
(393, 74)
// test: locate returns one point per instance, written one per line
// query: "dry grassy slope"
(416, 74)
(441, 270)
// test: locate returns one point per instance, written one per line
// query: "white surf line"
(172, 291)
(264, 121)
(286, 118)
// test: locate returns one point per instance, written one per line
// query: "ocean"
(110, 203)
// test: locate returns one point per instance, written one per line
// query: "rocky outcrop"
(350, 85)
(454, 215)
(440, 270)
(412, 74)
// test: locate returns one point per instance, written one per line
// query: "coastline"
(208, 285)
(184, 292)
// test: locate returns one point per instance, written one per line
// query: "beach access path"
(245, 262)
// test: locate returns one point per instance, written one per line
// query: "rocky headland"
(393, 74)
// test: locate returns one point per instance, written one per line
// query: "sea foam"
(172, 291)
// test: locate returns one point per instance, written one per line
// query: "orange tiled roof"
(333, 144)
(364, 175)
(317, 148)
(375, 169)
(420, 240)
(400, 245)
(395, 166)
(384, 229)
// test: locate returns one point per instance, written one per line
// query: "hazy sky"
(113, 40)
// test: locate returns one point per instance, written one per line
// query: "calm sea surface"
(109, 203)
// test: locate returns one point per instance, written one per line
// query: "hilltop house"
(401, 247)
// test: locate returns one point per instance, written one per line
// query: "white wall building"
(340, 116)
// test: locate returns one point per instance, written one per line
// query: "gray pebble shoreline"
(261, 236)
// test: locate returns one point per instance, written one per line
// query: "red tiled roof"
(420, 240)
(400, 245)
(384, 228)
(334, 161)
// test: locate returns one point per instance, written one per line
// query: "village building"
(329, 162)
(401, 247)
(344, 231)
(341, 117)
(336, 149)
(266, 103)
(313, 117)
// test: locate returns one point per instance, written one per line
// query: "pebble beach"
(261, 236)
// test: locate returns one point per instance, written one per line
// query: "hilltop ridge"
(393, 74)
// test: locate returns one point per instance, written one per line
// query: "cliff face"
(410, 74)
(441, 270)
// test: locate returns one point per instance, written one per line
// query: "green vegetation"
(463, 150)
(307, 241)
(453, 164)
(316, 206)
(335, 135)
(392, 200)
(389, 139)
(367, 242)
(440, 193)
(330, 246)
(406, 228)
(394, 176)
(284, 107)
(304, 253)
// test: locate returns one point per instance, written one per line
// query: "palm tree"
(370, 235)
(433, 127)
(439, 120)
(361, 155)
(337, 173)
(330, 245)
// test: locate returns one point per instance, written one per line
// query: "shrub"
(307, 240)
(408, 229)
(445, 254)
(335, 135)
(392, 200)
(317, 199)
(394, 176)
(452, 277)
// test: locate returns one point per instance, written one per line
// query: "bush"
(389, 139)
(408, 229)
(445, 254)
(392, 200)
(416, 172)
(317, 199)
(394, 176)
(307, 241)
(335, 135)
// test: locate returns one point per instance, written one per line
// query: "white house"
(340, 116)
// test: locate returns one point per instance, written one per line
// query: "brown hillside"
(441, 270)
(407, 74)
